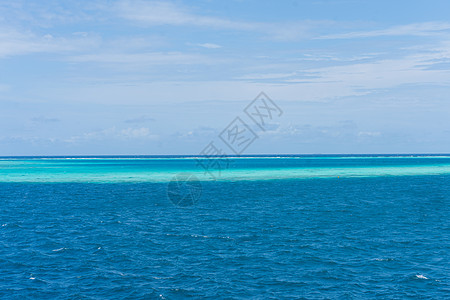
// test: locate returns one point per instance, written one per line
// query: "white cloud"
(369, 133)
(385, 73)
(209, 46)
(114, 134)
(43, 119)
(359, 77)
(415, 29)
(267, 76)
(166, 13)
(14, 42)
(142, 132)
(140, 119)
(154, 58)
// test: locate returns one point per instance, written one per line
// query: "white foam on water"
(60, 249)
(383, 259)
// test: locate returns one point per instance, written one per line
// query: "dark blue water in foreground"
(314, 238)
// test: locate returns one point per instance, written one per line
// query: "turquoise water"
(347, 227)
(116, 170)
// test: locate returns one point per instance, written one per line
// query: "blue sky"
(166, 77)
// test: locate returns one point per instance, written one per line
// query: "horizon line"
(218, 156)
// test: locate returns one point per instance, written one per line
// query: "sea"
(249, 227)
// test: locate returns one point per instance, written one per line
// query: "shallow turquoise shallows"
(313, 227)
(116, 170)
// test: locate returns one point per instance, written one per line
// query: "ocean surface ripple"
(346, 237)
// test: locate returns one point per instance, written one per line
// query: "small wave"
(383, 259)
(200, 236)
(60, 249)
(158, 278)
(211, 237)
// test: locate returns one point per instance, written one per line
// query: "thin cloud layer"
(157, 73)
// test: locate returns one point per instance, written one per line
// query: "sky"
(132, 77)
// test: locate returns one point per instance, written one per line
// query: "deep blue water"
(352, 237)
